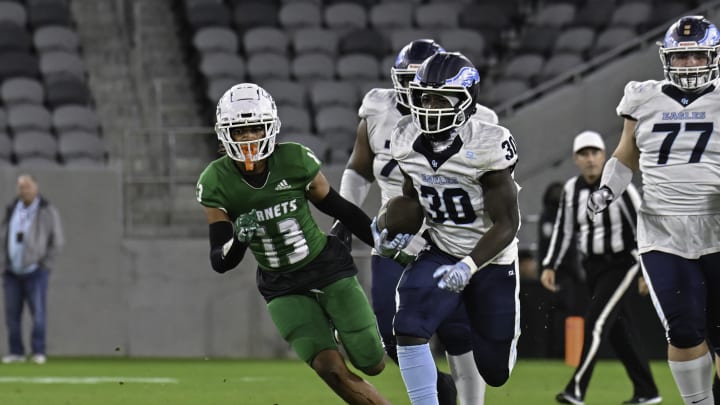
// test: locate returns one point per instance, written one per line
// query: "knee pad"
(456, 338)
(685, 336)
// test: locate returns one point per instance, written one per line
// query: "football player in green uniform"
(307, 278)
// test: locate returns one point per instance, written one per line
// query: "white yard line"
(88, 380)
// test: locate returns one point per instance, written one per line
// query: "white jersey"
(678, 136)
(381, 114)
(448, 182)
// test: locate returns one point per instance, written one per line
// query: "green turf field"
(282, 382)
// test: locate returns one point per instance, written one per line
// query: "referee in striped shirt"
(606, 245)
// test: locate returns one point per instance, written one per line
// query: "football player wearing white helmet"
(459, 167)
(370, 161)
(671, 136)
(307, 278)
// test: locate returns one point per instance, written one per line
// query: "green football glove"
(245, 226)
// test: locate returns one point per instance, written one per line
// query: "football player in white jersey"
(370, 161)
(459, 167)
(671, 136)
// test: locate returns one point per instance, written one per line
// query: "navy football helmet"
(690, 35)
(407, 62)
(443, 94)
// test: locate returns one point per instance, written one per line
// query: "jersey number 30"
(453, 204)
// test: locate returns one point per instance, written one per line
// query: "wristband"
(470, 263)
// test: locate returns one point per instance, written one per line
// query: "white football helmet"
(247, 104)
(691, 34)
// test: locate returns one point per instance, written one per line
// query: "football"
(401, 215)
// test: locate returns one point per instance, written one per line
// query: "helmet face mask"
(247, 107)
(443, 94)
(691, 37)
(406, 64)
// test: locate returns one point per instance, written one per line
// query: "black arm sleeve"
(220, 233)
(348, 213)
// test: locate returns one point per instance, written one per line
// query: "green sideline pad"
(87, 381)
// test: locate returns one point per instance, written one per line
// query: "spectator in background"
(607, 244)
(33, 237)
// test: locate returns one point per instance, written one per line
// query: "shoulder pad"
(377, 101)
(486, 114)
(636, 94)
(403, 137)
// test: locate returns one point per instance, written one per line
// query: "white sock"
(694, 379)
(418, 370)
(468, 381)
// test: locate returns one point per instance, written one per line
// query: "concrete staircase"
(146, 104)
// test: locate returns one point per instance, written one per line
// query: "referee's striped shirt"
(612, 231)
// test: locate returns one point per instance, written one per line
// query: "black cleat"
(447, 393)
(565, 398)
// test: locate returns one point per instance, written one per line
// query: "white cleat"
(13, 358)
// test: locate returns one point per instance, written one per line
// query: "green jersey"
(288, 237)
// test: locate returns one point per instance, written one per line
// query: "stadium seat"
(215, 39)
(22, 90)
(631, 15)
(436, 16)
(75, 117)
(594, 14)
(14, 38)
(345, 16)
(3, 119)
(304, 14)
(523, 67)
(316, 144)
(401, 37)
(558, 64)
(217, 87)
(13, 13)
(333, 93)
(391, 16)
(49, 13)
(15, 63)
(575, 40)
(263, 66)
(358, 67)
(247, 15)
(65, 89)
(489, 19)
(222, 65)
(670, 11)
(336, 119)
(34, 143)
(265, 39)
(468, 42)
(503, 90)
(56, 38)
(367, 41)
(612, 38)
(294, 119)
(537, 39)
(312, 40)
(364, 86)
(386, 65)
(287, 92)
(80, 144)
(28, 117)
(554, 15)
(207, 15)
(58, 62)
(313, 66)
(37, 161)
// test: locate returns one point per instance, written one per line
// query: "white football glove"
(385, 247)
(598, 201)
(245, 226)
(453, 277)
